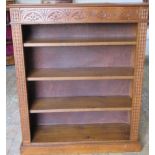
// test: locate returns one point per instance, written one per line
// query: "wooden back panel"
(79, 88)
(86, 56)
(80, 118)
(100, 31)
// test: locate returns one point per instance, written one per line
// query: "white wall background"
(107, 1)
(28, 1)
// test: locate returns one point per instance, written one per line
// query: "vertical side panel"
(21, 81)
(138, 76)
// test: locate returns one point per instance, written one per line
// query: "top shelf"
(79, 34)
(42, 43)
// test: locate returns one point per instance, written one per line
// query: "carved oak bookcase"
(79, 75)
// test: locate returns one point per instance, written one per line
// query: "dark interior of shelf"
(79, 110)
(80, 133)
(41, 89)
(78, 57)
(89, 117)
(101, 31)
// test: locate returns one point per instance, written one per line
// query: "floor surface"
(13, 120)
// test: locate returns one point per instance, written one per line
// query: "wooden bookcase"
(79, 75)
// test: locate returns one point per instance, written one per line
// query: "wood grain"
(81, 74)
(73, 127)
(30, 14)
(21, 82)
(115, 147)
(80, 117)
(75, 104)
(42, 43)
(78, 57)
(80, 32)
(138, 76)
(65, 88)
(80, 133)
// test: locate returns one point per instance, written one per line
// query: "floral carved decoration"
(55, 15)
(70, 15)
(32, 16)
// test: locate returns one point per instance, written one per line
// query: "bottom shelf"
(82, 148)
(81, 133)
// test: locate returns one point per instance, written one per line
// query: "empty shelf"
(40, 43)
(80, 133)
(81, 74)
(75, 104)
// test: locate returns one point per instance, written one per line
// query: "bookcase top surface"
(39, 5)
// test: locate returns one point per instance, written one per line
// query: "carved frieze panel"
(77, 15)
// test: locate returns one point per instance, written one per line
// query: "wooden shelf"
(81, 133)
(81, 74)
(41, 43)
(76, 104)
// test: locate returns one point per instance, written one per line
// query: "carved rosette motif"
(74, 14)
(32, 15)
(55, 15)
(51, 15)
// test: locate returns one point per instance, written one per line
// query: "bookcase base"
(35, 149)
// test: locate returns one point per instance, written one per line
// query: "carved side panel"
(21, 81)
(139, 70)
(15, 15)
(75, 15)
(143, 13)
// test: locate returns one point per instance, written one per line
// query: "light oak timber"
(76, 104)
(85, 138)
(78, 13)
(138, 79)
(21, 82)
(80, 133)
(98, 73)
(113, 147)
(42, 43)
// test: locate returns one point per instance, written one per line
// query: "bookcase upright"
(79, 76)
